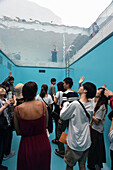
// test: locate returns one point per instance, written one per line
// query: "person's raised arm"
(10, 74)
(7, 79)
(108, 92)
(81, 81)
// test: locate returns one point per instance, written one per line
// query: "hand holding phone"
(10, 96)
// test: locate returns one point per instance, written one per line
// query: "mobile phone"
(10, 95)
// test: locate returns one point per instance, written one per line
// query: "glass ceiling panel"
(41, 44)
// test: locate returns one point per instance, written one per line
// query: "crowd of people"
(82, 113)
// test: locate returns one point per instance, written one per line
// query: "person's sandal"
(59, 153)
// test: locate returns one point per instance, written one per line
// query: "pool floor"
(57, 163)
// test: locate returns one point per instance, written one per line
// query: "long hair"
(102, 100)
(44, 89)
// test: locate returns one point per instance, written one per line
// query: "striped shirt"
(70, 96)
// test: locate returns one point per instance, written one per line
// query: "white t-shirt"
(59, 97)
(100, 114)
(78, 133)
(47, 99)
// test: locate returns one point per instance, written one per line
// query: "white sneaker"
(9, 156)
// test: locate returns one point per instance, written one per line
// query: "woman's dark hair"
(91, 89)
(2, 86)
(53, 80)
(29, 91)
(11, 78)
(5, 84)
(102, 100)
(60, 86)
(69, 81)
(44, 89)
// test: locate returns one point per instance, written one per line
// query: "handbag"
(63, 138)
(55, 115)
(56, 112)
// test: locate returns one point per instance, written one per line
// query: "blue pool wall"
(96, 66)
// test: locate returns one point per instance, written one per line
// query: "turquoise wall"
(24, 74)
(97, 66)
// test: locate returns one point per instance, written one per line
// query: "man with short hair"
(70, 96)
(78, 140)
(52, 87)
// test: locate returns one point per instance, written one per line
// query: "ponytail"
(44, 89)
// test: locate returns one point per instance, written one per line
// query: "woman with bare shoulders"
(31, 120)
